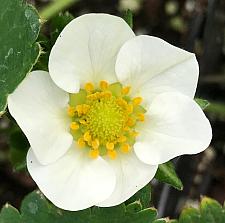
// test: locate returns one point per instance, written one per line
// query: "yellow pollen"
(125, 148)
(81, 142)
(89, 87)
(94, 153)
(74, 126)
(87, 136)
(112, 154)
(95, 144)
(110, 145)
(103, 85)
(71, 111)
(137, 101)
(141, 117)
(126, 90)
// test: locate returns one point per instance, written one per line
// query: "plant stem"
(55, 7)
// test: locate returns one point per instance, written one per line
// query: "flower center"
(103, 119)
(106, 119)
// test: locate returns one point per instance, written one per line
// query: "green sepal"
(78, 98)
(139, 109)
(202, 103)
(166, 173)
(128, 17)
(115, 88)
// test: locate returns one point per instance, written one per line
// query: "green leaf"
(202, 103)
(19, 146)
(143, 196)
(35, 209)
(211, 211)
(128, 17)
(19, 28)
(9, 214)
(166, 173)
(190, 215)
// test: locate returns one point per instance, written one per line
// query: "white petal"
(131, 176)
(74, 182)
(152, 66)
(174, 125)
(39, 107)
(86, 50)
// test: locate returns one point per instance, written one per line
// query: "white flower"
(122, 105)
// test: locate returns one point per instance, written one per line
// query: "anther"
(74, 126)
(71, 111)
(125, 148)
(137, 101)
(95, 144)
(89, 87)
(112, 154)
(126, 90)
(110, 145)
(141, 117)
(94, 153)
(81, 142)
(87, 136)
(103, 85)
(122, 139)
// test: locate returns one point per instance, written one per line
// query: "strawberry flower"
(112, 107)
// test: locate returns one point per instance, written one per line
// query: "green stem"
(55, 7)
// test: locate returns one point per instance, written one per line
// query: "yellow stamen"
(110, 145)
(74, 126)
(103, 85)
(89, 87)
(121, 102)
(126, 90)
(95, 144)
(122, 139)
(141, 117)
(81, 142)
(71, 111)
(107, 94)
(112, 154)
(137, 101)
(79, 109)
(87, 136)
(94, 153)
(130, 108)
(130, 121)
(125, 148)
